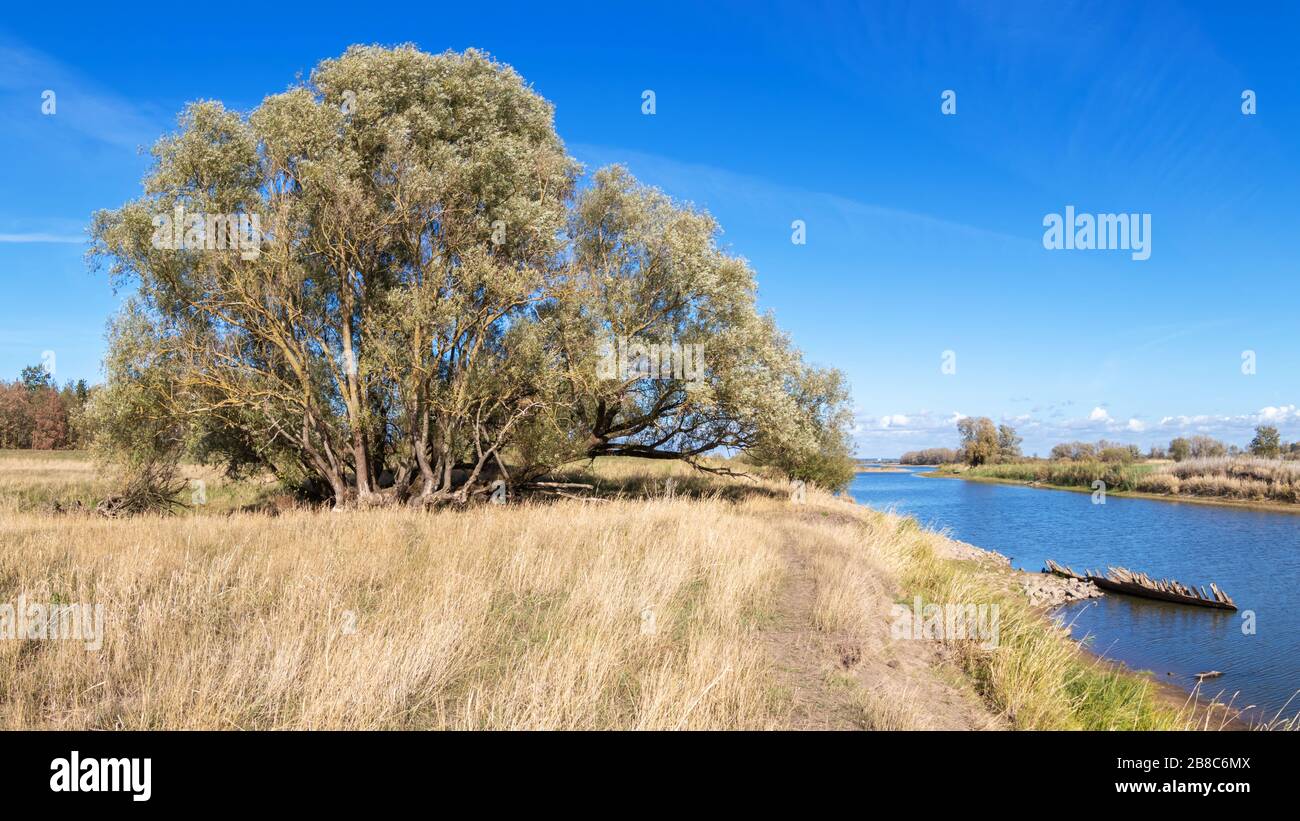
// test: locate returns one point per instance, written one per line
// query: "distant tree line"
(36, 414)
(930, 456)
(1197, 447)
(1102, 450)
(983, 442)
(1267, 443)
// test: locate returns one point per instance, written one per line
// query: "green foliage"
(1267, 442)
(137, 430)
(1008, 443)
(1117, 475)
(1180, 449)
(815, 446)
(429, 301)
(1236, 478)
(1119, 453)
(645, 269)
(35, 378)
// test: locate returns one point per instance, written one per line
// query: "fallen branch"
(562, 485)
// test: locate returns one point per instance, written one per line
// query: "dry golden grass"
(491, 618)
(32, 481)
(29, 478)
(1238, 477)
(892, 709)
(854, 568)
(642, 612)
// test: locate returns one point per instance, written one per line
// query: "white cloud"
(1208, 423)
(1282, 414)
(892, 434)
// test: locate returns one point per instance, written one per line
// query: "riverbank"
(1051, 592)
(1206, 542)
(1248, 504)
(1048, 593)
(710, 603)
(1196, 709)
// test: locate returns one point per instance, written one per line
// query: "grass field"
(703, 603)
(34, 481)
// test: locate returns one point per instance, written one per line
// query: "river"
(1254, 555)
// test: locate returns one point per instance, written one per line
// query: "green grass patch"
(1035, 675)
(1116, 475)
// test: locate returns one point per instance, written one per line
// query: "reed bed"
(1239, 478)
(1117, 476)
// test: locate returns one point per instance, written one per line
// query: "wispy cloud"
(891, 434)
(81, 104)
(716, 184)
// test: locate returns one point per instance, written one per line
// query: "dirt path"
(862, 680)
(805, 658)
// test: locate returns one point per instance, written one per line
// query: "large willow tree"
(430, 299)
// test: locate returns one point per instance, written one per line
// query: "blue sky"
(924, 231)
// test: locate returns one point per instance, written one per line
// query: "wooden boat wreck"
(1122, 580)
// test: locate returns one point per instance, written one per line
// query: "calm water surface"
(1254, 555)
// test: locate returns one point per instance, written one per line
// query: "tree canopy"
(393, 281)
(1267, 442)
(35, 413)
(980, 439)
